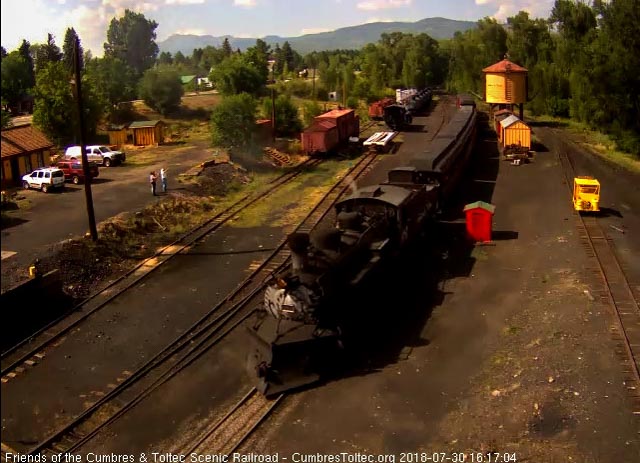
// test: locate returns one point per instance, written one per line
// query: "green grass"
(294, 200)
(598, 142)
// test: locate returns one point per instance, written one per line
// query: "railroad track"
(613, 290)
(195, 342)
(33, 349)
(228, 434)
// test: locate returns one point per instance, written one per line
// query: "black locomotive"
(304, 310)
(398, 116)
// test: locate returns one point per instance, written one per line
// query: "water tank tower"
(506, 85)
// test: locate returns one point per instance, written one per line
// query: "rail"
(191, 345)
(616, 290)
(30, 350)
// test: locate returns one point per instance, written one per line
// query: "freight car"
(329, 130)
(304, 319)
(397, 116)
(376, 109)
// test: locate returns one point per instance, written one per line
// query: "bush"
(629, 142)
(296, 87)
(353, 102)
(287, 119)
(233, 121)
(311, 109)
(322, 94)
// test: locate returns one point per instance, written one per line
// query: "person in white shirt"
(163, 179)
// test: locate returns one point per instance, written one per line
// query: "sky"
(33, 19)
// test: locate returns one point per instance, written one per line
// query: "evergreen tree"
(227, 51)
(68, 49)
(25, 52)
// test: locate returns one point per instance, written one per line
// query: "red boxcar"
(321, 136)
(329, 130)
(344, 120)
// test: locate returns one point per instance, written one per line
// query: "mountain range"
(353, 37)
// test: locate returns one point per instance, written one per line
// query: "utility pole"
(273, 114)
(313, 85)
(83, 142)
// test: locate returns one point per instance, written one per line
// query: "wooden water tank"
(505, 83)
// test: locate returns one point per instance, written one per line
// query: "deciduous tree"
(132, 39)
(161, 90)
(233, 121)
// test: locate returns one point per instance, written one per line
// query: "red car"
(73, 170)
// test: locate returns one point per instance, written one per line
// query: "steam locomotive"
(304, 312)
(397, 116)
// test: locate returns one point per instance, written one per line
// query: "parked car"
(73, 170)
(101, 154)
(44, 179)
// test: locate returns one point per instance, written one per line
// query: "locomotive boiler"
(308, 306)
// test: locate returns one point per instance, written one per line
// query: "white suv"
(101, 154)
(44, 179)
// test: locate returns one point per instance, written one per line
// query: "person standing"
(152, 180)
(163, 179)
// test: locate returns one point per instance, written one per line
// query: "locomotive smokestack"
(298, 243)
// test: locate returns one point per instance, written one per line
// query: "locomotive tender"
(304, 314)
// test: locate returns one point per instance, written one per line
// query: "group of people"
(153, 178)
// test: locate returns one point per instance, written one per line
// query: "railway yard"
(525, 349)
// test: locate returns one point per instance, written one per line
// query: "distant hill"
(353, 37)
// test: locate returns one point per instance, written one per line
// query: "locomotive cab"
(586, 194)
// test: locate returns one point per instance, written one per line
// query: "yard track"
(613, 289)
(228, 434)
(30, 351)
(194, 342)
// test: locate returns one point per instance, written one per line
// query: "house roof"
(141, 124)
(23, 139)
(187, 79)
(505, 66)
(508, 121)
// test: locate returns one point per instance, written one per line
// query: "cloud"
(190, 31)
(507, 8)
(372, 5)
(245, 3)
(184, 2)
(379, 20)
(314, 30)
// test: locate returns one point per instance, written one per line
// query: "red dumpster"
(479, 216)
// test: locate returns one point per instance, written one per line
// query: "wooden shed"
(514, 132)
(118, 135)
(147, 133)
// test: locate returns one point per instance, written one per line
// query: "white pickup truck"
(101, 154)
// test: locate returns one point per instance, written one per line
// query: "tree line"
(583, 62)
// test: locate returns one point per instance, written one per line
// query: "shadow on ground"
(388, 315)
